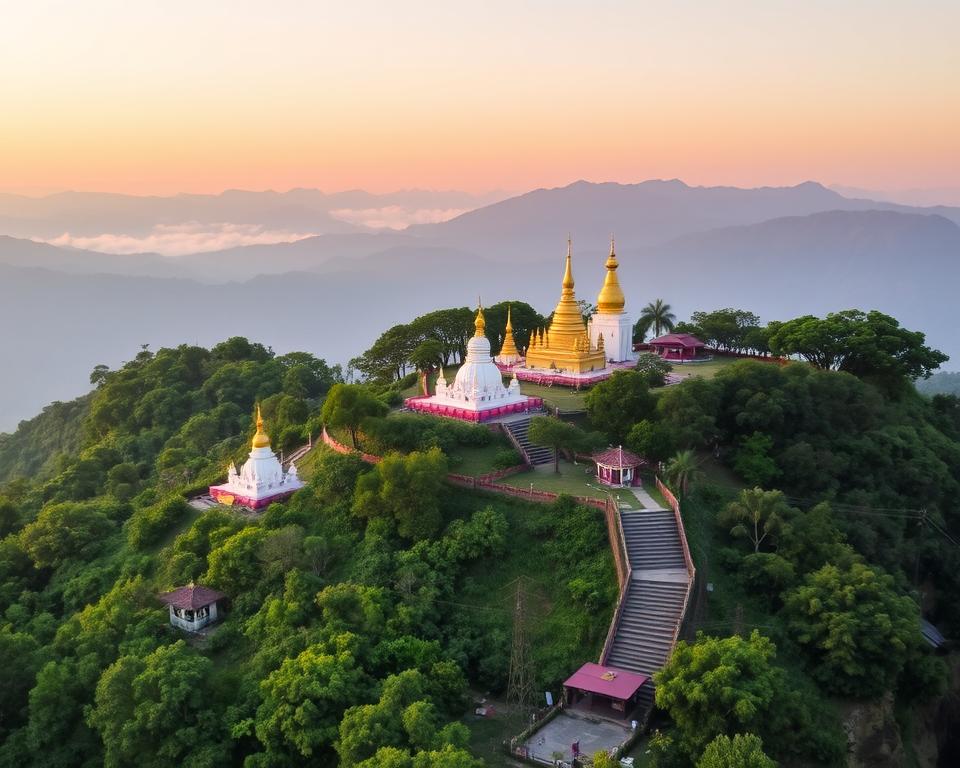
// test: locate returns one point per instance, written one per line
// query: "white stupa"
(261, 480)
(477, 393)
(610, 324)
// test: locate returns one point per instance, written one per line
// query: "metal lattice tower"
(521, 693)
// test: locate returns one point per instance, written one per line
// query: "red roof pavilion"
(677, 346)
(617, 687)
(191, 598)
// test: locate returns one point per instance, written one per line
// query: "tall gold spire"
(568, 271)
(261, 439)
(479, 323)
(562, 346)
(610, 300)
(508, 351)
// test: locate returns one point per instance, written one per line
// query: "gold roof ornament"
(261, 439)
(479, 323)
(610, 300)
(567, 284)
(509, 346)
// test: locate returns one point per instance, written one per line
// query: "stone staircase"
(653, 604)
(533, 454)
(653, 541)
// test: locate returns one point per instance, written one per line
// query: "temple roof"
(191, 597)
(679, 339)
(618, 458)
(618, 684)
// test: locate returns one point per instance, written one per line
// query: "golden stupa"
(509, 354)
(566, 346)
(610, 300)
(261, 439)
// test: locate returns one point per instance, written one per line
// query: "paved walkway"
(646, 499)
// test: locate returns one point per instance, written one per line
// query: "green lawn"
(478, 461)
(574, 479)
(564, 398)
(707, 370)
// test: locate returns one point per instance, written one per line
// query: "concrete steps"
(534, 454)
(653, 541)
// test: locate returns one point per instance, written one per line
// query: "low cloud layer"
(181, 239)
(395, 216)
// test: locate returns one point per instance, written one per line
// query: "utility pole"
(916, 560)
(520, 688)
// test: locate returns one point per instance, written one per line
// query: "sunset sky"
(162, 97)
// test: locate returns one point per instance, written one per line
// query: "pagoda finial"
(479, 323)
(260, 439)
(568, 271)
(613, 248)
(509, 324)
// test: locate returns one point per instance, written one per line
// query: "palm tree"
(657, 313)
(683, 470)
(756, 515)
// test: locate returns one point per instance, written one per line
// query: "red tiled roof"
(618, 458)
(608, 681)
(681, 339)
(191, 597)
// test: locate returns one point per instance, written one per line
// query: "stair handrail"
(624, 586)
(687, 559)
(516, 443)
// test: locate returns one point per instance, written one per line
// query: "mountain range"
(780, 252)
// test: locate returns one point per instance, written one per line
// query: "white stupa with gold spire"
(610, 324)
(509, 354)
(477, 393)
(261, 480)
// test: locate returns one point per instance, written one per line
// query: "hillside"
(345, 605)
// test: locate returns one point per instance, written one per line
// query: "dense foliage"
(359, 609)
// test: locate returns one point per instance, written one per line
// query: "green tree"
(725, 328)
(718, 686)
(753, 460)
(756, 515)
(616, 404)
(67, 530)
(862, 343)
(651, 439)
(234, 565)
(856, 630)
(656, 315)
(157, 711)
(304, 700)
(556, 435)
(683, 471)
(347, 405)
(653, 367)
(744, 750)
(406, 490)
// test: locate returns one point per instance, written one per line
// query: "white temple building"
(477, 393)
(610, 322)
(261, 480)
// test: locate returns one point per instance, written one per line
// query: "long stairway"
(653, 604)
(653, 541)
(534, 454)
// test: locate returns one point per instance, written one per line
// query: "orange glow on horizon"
(172, 99)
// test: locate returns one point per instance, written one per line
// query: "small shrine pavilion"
(262, 480)
(603, 690)
(193, 607)
(617, 466)
(477, 393)
(678, 347)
